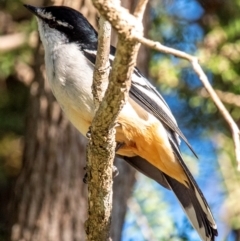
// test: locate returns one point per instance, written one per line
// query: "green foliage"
(219, 54)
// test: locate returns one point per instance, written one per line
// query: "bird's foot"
(88, 134)
(115, 171)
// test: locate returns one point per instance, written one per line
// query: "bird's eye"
(52, 24)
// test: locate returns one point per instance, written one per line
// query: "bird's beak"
(32, 9)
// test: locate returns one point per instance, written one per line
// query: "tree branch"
(202, 76)
(102, 66)
(226, 97)
(101, 149)
(100, 156)
(103, 125)
(126, 23)
(139, 11)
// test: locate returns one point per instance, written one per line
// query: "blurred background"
(42, 196)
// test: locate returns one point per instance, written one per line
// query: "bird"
(146, 129)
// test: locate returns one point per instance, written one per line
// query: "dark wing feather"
(191, 198)
(147, 169)
(152, 105)
(187, 197)
(204, 216)
(149, 100)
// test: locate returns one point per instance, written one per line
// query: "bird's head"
(60, 24)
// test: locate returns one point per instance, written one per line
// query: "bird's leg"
(88, 134)
(115, 171)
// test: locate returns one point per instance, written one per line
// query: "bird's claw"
(88, 134)
(115, 171)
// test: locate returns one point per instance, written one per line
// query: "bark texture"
(123, 183)
(101, 149)
(102, 65)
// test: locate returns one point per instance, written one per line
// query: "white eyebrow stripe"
(44, 14)
(64, 24)
(48, 15)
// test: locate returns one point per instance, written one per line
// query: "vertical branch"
(100, 157)
(101, 149)
(139, 11)
(102, 66)
(202, 76)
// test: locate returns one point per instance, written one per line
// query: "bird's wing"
(190, 197)
(151, 100)
(146, 95)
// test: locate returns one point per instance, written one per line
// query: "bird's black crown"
(68, 21)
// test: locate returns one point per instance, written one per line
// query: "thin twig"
(228, 118)
(99, 159)
(202, 76)
(101, 72)
(226, 97)
(161, 48)
(101, 149)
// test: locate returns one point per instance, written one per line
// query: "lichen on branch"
(101, 148)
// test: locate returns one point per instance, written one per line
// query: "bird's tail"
(195, 207)
(190, 198)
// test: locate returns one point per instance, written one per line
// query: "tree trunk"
(49, 200)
